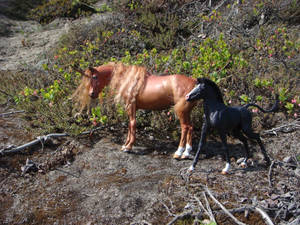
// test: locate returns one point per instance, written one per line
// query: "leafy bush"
(50, 10)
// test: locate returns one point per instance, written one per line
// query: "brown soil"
(89, 180)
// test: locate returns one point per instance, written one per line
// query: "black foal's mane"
(214, 86)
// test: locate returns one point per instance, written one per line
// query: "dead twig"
(180, 216)
(270, 174)
(264, 215)
(42, 140)
(210, 212)
(167, 208)
(223, 208)
(10, 113)
(294, 124)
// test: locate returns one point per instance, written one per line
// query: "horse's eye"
(94, 77)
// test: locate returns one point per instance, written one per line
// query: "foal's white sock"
(227, 168)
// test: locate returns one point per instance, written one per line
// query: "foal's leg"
(256, 136)
(132, 129)
(238, 134)
(225, 146)
(202, 142)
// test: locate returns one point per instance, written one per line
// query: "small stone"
(240, 160)
(274, 196)
(297, 172)
(288, 159)
(151, 138)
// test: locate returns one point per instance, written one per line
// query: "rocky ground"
(88, 180)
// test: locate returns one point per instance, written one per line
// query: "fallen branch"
(223, 208)
(294, 124)
(10, 113)
(211, 215)
(270, 174)
(264, 216)
(180, 216)
(41, 140)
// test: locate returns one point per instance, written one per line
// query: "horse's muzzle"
(93, 95)
(187, 97)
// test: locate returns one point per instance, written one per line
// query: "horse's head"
(197, 92)
(98, 79)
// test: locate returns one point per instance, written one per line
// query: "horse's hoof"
(175, 156)
(124, 149)
(186, 157)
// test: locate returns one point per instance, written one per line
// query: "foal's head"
(205, 88)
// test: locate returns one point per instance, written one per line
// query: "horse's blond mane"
(126, 83)
(81, 95)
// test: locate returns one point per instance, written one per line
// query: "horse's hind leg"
(238, 134)
(256, 136)
(183, 113)
(225, 146)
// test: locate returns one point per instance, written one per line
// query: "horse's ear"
(79, 71)
(92, 69)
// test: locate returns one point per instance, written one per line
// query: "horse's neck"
(211, 104)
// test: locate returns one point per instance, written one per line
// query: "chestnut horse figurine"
(136, 88)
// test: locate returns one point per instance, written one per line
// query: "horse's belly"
(154, 101)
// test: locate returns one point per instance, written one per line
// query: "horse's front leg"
(131, 130)
(202, 142)
(127, 139)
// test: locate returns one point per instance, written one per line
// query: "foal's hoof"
(243, 165)
(224, 172)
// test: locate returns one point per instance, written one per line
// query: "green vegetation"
(161, 37)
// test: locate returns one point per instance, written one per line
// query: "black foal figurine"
(235, 120)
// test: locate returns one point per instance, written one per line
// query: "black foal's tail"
(273, 109)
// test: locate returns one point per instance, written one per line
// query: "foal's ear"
(199, 80)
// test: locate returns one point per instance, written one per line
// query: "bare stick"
(210, 213)
(264, 216)
(295, 123)
(10, 113)
(223, 208)
(40, 139)
(180, 216)
(270, 174)
(201, 205)
(167, 208)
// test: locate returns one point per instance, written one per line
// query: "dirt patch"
(92, 181)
